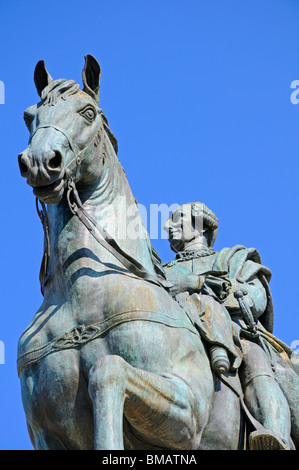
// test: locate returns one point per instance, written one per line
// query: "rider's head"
(192, 222)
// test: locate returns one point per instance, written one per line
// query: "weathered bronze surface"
(228, 295)
(125, 353)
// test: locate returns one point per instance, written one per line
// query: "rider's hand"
(190, 283)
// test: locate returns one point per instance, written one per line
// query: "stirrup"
(266, 440)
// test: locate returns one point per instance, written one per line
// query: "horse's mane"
(56, 89)
(109, 133)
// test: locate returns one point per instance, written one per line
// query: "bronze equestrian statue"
(111, 360)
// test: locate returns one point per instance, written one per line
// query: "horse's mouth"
(49, 191)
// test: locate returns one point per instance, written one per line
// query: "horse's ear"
(91, 77)
(41, 77)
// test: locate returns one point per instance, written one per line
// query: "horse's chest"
(75, 323)
(95, 298)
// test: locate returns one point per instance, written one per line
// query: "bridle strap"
(42, 213)
(62, 131)
(108, 242)
(92, 226)
(77, 160)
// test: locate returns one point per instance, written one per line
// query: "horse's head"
(65, 133)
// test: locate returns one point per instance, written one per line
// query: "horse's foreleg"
(160, 408)
(107, 385)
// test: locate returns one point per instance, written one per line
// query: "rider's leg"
(161, 408)
(262, 394)
(224, 430)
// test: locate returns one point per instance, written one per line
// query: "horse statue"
(110, 360)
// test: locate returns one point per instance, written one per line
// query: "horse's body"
(144, 381)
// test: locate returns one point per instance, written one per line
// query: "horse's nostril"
(55, 162)
(22, 165)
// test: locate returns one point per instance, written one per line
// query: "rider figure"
(226, 294)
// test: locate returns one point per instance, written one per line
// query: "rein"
(77, 158)
(77, 209)
(107, 241)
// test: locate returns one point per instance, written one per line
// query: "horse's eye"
(28, 118)
(88, 113)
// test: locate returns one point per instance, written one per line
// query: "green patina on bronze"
(125, 353)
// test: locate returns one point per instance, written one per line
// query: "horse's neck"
(111, 203)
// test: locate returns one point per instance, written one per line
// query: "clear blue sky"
(197, 93)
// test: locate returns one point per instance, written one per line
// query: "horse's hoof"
(266, 440)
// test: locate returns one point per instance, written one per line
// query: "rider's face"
(183, 228)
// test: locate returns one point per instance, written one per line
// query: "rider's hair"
(199, 209)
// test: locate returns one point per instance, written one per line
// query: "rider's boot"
(266, 440)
